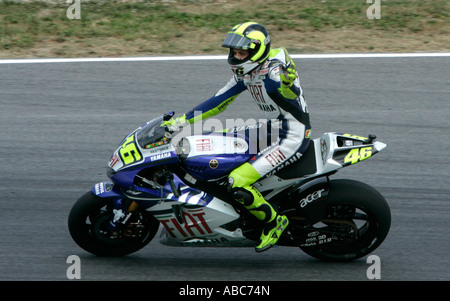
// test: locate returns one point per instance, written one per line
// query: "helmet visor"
(233, 40)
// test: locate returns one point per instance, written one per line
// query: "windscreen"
(151, 134)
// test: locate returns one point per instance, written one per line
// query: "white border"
(216, 57)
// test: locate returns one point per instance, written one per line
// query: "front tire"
(88, 223)
(356, 222)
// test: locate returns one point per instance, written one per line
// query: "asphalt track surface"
(60, 122)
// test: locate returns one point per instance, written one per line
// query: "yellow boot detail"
(271, 235)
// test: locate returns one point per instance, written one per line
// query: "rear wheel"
(356, 222)
(88, 226)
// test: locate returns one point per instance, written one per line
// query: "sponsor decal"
(291, 160)
(223, 106)
(317, 240)
(159, 149)
(195, 224)
(103, 187)
(203, 145)
(247, 127)
(275, 157)
(115, 158)
(310, 198)
(161, 156)
(348, 142)
(308, 134)
(257, 94)
(276, 70)
(313, 234)
(213, 164)
(99, 188)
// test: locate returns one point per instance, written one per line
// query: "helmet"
(249, 36)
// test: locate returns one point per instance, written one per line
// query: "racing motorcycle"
(182, 187)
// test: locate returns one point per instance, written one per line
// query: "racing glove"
(288, 74)
(174, 124)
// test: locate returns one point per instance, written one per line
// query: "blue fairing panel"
(214, 167)
(106, 190)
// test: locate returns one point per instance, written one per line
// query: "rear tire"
(357, 219)
(88, 222)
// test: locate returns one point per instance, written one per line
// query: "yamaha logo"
(213, 163)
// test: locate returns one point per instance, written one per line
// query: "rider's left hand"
(173, 124)
(288, 74)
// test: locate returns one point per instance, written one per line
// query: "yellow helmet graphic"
(251, 37)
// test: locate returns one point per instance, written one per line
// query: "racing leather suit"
(283, 106)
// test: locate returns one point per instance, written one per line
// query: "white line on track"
(217, 57)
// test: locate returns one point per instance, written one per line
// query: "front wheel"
(356, 222)
(88, 226)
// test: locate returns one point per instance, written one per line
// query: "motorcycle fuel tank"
(215, 155)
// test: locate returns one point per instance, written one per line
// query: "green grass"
(23, 26)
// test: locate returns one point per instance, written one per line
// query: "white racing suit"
(284, 107)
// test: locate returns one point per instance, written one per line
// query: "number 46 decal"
(358, 154)
(129, 152)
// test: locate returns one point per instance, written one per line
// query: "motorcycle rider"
(271, 77)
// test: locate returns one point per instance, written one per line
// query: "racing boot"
(255, 203)
(272, 232)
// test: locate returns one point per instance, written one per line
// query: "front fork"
(121, 213)
(122, 209)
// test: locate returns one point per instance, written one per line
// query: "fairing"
(194, 217)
